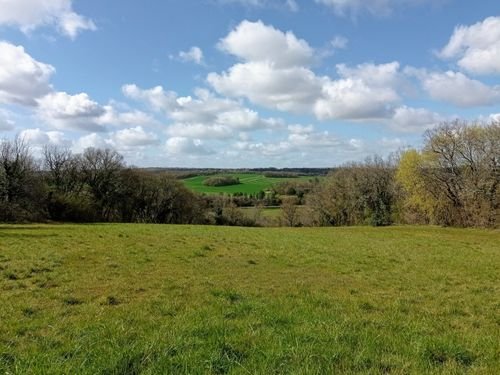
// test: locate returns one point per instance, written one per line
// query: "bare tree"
(290, 211)
(20, 189)
(101, 172)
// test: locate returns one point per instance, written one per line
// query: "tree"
(418, 203)
(101, 172)
(21, 191)
(289, 211)
(357, 193)
(454, 179)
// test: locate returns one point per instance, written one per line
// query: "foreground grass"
(129, 299)
(250, 183)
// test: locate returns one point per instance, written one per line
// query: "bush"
(222, 181)
(281, 174)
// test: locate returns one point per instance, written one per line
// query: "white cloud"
(294, 89)
(133, 137)
(22, 78)
(339, 42)
(194, 54)
(38, 138)
(367, 91)
(476, 47)
(31, 14)
(300, 129)
(186, 146)
(90, 140)
(200, 131)
(76, 112)
(291, 5)
(157, 97)
(79, 112)
(202, 116)
(6, 121)
(458, 89)
(256, 42)
(301, 140)
(495, 117)
(275, 74)
(408, 119)
(391, 144)
(114, 117)
(374, 7)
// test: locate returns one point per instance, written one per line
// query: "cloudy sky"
(244, 83)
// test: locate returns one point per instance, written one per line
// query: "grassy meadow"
(157, 299)
(250, 183)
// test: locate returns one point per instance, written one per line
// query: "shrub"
(222, 181)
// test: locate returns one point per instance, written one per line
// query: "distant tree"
(101, 171)
(289, 211)
(418, 203)
(21, 190)
(221, 181)
(461, 170)
(357, 193)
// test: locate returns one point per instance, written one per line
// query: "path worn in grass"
(129, 299)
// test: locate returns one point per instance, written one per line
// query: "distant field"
(157, 299)
(251, 183)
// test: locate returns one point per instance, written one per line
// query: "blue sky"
(244, 83)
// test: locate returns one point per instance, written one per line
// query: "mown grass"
(250, 183)
(130, 299)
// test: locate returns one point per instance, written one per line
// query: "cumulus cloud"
(275, 73)
(374, 7)
(301, 140)
(112, 116)
(76, 112)
(133, 137)
(156, 97)
(31, 14)
(186, 146)
(408, 119)
(22, 78)
(256, 42)
(79, 112)
(477, 47)
(367, 91)
(292, 89)
(339, 42)
(291, 5)
(458, 89)
(202, 116)
(6, 121)
(495, 117)
(38, 138)
(194, 54)
(90, 140)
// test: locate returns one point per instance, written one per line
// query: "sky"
(244, 83)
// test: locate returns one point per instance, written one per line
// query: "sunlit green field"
(153, 299)
(250, 183)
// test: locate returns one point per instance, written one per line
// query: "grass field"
(130, 299)
(250, 183)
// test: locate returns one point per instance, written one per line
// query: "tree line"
(453, 180)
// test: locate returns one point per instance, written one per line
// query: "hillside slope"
(116, 299)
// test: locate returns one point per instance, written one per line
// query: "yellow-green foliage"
(157, 299)
(409, 176)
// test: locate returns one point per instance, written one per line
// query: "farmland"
(129, 299)
(250, 183)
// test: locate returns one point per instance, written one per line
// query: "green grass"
(250, 183)
(130, 299)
